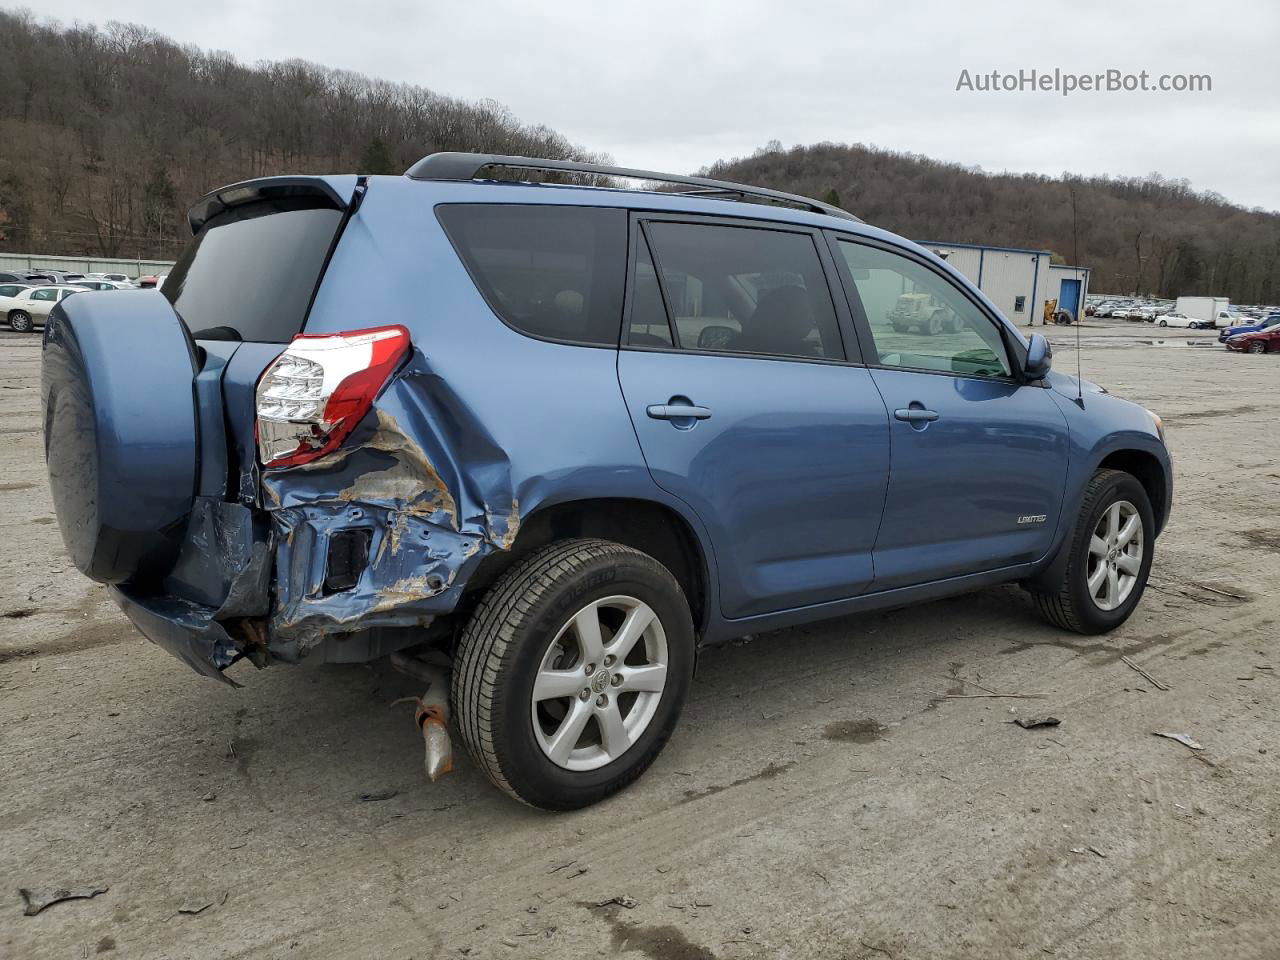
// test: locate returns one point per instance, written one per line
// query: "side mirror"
(1039, 358)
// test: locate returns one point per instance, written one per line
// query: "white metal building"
(1018, 281)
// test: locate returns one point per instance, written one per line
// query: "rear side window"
(731, 289)
(254, 268)
(551, 272)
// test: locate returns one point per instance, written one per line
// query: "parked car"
(23, 276)
(923, 313)
(1252, 327)
(153, 281)
(619, 424)
(90, 284)
(1180, 320)
(115, 277)
(1266, 340)
(9, 293)
(31, 307)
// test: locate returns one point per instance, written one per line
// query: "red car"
(1266, 340)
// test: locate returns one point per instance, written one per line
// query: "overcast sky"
(674, 86)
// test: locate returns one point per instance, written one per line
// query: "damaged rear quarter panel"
(431, 486)
(482, 427)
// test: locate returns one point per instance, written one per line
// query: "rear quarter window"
(551, 272)
(254, 268)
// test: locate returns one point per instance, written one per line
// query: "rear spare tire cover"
(116, 372)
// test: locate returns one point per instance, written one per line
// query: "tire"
(1164, 323)
(1070, 604)
(1257, 347)
(21, 321)
(934, 326)
(514, 638)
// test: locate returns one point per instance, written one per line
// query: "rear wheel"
(21, 321)
(1109, 560)
(571, 674)
(1164, 323)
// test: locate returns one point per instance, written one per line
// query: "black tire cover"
(120, 435)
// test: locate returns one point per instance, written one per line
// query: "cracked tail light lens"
(312, 396)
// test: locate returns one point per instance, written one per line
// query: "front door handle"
(916, 415)
(677, 411)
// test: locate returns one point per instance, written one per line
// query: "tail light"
(314, 394)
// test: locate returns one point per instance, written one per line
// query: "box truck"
(1212, 310)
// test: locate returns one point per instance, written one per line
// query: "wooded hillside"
(1142, 234)
(108, 135)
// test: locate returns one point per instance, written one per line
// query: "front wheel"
(1164, 323)
(1109, 560)
(21, 321)
(935, 324)
(1257, 347)
(572, 672)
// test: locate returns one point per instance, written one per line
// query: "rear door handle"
(677, 411)
(916, 415)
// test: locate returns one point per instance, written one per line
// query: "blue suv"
(539, 441)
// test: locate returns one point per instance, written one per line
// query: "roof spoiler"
(336, 190)
(468, 166)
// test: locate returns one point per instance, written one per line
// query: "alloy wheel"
(599, 683)
(1115, 555)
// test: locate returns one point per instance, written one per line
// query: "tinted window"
(744, 290)
(10, 291)
(254, 268)
(549, 271)
(920, 320)
(649, 326)
(45, 295)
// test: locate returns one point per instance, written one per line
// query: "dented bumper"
(421, 483)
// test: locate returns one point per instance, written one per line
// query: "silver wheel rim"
(599, 683)
(1115, 555)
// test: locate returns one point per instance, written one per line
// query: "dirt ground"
(826, 795)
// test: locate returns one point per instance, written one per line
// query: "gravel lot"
(823, 797)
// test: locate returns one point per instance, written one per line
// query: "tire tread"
(1059, 607)
(489, 641)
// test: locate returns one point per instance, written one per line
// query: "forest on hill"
(1147, 235)
(108, 134)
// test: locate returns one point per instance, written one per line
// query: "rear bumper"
(185, 629)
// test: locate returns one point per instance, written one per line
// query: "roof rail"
(468, 166)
